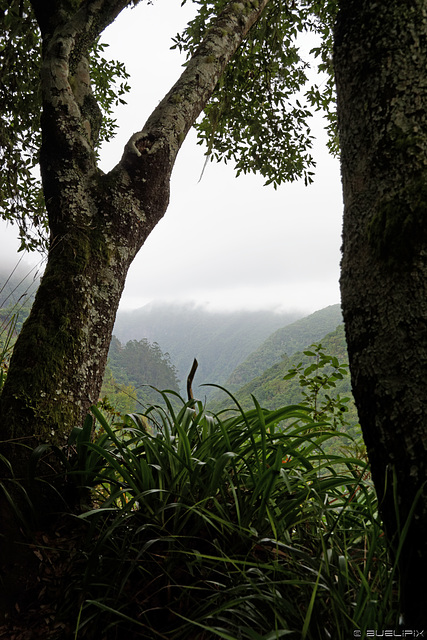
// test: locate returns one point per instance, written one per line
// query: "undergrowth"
(246, 525)
(237, 527)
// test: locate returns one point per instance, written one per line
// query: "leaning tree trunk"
(98, 221)
(380, 66)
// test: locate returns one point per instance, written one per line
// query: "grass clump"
(235, 526)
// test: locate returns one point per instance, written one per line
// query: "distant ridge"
(219, 340)
(286, 340)
(272, 391)
(18, 284)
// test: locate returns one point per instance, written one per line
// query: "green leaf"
(290, 375)
(312, 367)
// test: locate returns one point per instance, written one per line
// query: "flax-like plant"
(237, 527)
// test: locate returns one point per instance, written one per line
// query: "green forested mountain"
(17, 282)
(219, 340)
(272, 391)
(286, 340)
(18, 285)
(131, 367)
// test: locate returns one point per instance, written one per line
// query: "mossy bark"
(98, 222)
(380, 64)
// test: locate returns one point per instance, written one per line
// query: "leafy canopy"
(258, 116)
(21, 195)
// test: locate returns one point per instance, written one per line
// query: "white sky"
(226, 242)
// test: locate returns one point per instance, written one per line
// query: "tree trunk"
(380, 65)
(98, 222)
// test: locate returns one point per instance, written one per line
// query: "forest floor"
(35, 575)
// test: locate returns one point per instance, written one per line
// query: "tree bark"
(98, 222)
(380, 65)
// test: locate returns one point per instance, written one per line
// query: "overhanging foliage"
(259, 115)
(21, 194)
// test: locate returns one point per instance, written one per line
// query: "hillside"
(131, 368)
(272, 391)
(18, 285)
(286, 340)
(219, 340)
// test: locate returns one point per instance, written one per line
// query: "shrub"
(237, 527)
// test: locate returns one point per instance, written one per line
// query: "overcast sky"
(226, 242)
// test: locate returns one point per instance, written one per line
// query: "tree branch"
(92, 16)
(106, 12)
(67, 37)
(178, 110)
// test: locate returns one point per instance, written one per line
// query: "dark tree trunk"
(380, 65)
